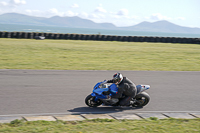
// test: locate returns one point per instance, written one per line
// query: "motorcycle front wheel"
(142, 99)
(89, 101)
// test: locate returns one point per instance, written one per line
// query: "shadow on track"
(104, 109)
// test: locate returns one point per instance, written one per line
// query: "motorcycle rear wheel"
(142, 99)
(89, 101)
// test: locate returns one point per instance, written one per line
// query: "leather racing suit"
(127, 89)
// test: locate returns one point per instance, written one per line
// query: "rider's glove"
(104, 82)
(106, 93)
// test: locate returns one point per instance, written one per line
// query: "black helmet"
(117, 78)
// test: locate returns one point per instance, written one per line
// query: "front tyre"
(89, 101)
(142, 99)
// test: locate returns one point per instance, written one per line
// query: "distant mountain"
(15, 18)
(76, 22)
(163, 26)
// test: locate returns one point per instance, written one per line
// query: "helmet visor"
(116, 80)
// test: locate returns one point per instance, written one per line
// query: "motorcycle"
(98, 97)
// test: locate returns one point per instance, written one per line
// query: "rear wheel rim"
(140, 101)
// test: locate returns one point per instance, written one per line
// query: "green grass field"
(105, 126)
(97, 55)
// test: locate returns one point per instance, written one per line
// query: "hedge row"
(32, 35)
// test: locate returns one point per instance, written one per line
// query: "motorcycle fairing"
(141, 88)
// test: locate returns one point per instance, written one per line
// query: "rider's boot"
(132, 102)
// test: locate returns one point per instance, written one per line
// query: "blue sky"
(119, 12)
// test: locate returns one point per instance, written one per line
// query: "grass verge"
(98, 55)
(105, 126)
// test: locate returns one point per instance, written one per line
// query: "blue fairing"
(113, 89)
(97, 92)
(93, 94)
(97, 85)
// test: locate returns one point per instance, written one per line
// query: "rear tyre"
(89, 101)
(142, 99)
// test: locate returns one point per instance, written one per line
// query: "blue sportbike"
(100, 96)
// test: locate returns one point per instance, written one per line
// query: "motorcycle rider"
(125, 87)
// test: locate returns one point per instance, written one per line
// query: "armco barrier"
(32, 35)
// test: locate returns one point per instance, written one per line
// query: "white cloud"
(100, 4)
(158, 16)
(83, 15)
(93, 16)
(96, 16)
(69, 13)
(75, 6)
(11, 6)
(53, 11)
(100, 9)
(32, 11)
(17, 2)
(36, 13)
(3, 3)
(13, 3)
(123, 12)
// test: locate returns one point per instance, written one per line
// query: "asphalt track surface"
(64, 91)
